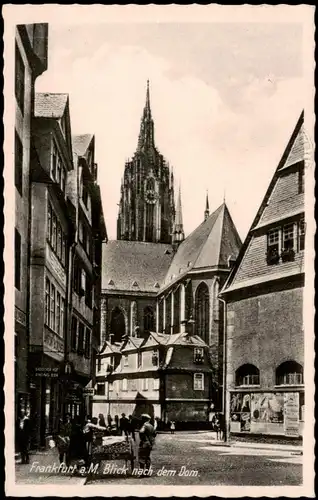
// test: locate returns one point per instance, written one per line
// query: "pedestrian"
(109, 421)
(64, 438)
(216, 425)
(132, 427)
(88, 434)
(101, 420)
(147, 440)
(78, 449)
(23, 435)
(124, 425)
(117, 422)
(172, 427)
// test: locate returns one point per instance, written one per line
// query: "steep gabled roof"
(209, 245)
(49, 105)
(294, 153)
(156, 339)
(109, 348)
(81, 143)
(131, 343)
(129, 262)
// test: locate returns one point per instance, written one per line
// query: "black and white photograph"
(159, 250)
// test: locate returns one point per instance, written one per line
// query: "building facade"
(31, 45)
(166, 376)
(264, 304)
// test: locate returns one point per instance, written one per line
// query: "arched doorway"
(202, 306)
(117, 325)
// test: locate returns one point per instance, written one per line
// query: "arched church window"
(117, 324)
(149, 319)
(202, 306)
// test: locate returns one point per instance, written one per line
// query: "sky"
(225, 98)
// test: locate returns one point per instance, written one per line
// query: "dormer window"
(198, 355)
(273, 246)
(155, 358)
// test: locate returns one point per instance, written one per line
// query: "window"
(47, 301)
(125, 361)
(52, 323)
(198, 355)
(17, 259)
(273, 246)
(289, 373)
(124, 386)
(18, 162)
(19, 79)
(49, 222)
(59, 242)
(80, 345)
(99, 364)
(89, 292)
(301, 235)
(156, 384)
(247, 375)
(139, 359)
(88, 343)
(198, 381)
(62, 316)
(288, 236)
(145, 384)
(133, 385)
(58, 312)
(74, 334)
(100, 390)
(155, 357)
(83, 282)
(301, 179)
(53, 240)
(202, 312)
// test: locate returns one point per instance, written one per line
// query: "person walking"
(132, 427)
(147, 439)
(216, 425)
(101, 420)
(23, 431)
(172, 427)
(124, 425)
(63, 439)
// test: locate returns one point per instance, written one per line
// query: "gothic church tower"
(146, 208)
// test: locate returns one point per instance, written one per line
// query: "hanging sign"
(40, 371)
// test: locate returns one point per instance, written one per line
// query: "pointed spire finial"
(147, 106)
(224, 195)
(207, 209)
(178, 232)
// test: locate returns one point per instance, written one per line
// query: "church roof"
(81, 143)
(135, 265)
(209, 245)
(49, 105)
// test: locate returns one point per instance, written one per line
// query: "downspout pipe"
(224, 368)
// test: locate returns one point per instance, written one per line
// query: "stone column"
(164, 314)
(172, 311)
(133, 317)
(182, 308)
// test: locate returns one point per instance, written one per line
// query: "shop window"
(198, 381)
(18, 163)
(289, 373)
(19, 79)
(17, 259)
(100, 390)
(202, 307)
(247, 375)
(273, 246)
(198, 355)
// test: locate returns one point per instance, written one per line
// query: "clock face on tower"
(150, 196)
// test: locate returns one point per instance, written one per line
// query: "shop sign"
(90, 391)
(40, 371)
(291, 410)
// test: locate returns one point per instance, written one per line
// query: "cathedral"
(154, 278)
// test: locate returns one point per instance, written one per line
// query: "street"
(195, 458)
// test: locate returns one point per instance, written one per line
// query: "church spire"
(207, 209)
(178, 232)
(146, 134)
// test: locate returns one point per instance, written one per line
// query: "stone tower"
(146, 208)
